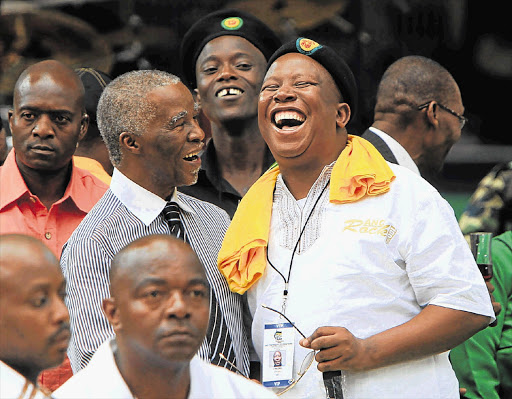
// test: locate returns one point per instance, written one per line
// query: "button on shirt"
(22, 212)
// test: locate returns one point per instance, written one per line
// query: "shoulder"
(203, 208)
(219, 382)
(89, 181)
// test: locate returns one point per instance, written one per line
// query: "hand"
(462, 392)
(496, 306)
(337, 348)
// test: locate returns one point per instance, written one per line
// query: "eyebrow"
(47, 111)
(177, 117)
(214, 57)
(158, 281)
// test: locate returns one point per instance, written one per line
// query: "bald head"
(138, 256)
(54, 72)
(412, 81)
(159, 306)
(34, 321)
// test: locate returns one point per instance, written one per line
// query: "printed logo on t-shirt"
(371, 226)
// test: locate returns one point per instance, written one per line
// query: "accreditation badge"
(278, 349)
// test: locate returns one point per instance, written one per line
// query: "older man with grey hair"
(148, 122)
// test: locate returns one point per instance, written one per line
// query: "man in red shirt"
(43, 195)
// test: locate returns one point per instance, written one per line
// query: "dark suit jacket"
(380, 145)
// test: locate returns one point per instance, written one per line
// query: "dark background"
(472, 39)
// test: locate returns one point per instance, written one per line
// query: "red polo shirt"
(22, 212)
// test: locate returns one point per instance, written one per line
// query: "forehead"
(173, 268)
(48, 91)
(295, 64)
(22, 273)
(171, 98)
(229, 46)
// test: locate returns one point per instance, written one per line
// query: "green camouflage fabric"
(490, 206)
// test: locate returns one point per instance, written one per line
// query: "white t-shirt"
(14, 385)
(101, 379)
(369, 266)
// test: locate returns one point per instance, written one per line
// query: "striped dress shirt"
(127, 212)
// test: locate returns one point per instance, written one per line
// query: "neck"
(154, 378)
(48, 186)
(29, 373)
(409, 137)
(240, 153)
(158, 185)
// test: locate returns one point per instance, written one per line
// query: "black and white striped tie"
(217, 334)
(172, 215)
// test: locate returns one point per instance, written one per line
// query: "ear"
(84, 125)
(112, 313)
(129, 142)
(10, 115)
(342, 115)
(431, 115)
(197, 97)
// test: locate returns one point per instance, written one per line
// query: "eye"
(303, 84)
(29, 116)
(244, 66)
(198, 293)
(61, 119)
(272, 87)
(209, 70)
(40, 300)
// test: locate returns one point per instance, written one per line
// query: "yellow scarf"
(360, 170)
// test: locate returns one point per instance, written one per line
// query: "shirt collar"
(13, 184)
(11, 177)
(144, 204)
(402, 156)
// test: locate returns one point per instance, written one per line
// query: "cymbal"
(303, 14)
(28, 37)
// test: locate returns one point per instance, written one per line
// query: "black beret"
(94, 82)
(223, 23)
(327, 57)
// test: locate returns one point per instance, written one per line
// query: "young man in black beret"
(363, 256)
(223, 58)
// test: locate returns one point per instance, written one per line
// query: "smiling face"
(171, 143)
(277, 358)
(300, 113)
(229, 72)
(34, 321)
(161, 300)
(47, 120)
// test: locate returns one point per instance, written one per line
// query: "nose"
(196, 133)
(43, 127)
(60, 311)
(227, 73)
(177, 307)
(284, 94)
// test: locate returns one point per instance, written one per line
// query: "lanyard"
(286, 281)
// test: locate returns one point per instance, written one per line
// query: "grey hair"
(124, 107)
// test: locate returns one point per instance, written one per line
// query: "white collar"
(144, 204)
(402, 156)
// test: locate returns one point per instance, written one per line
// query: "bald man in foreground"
(159, 309)
(34, 321)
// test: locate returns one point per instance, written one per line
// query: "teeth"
(289, 115)
(229, 92)
(191, 155)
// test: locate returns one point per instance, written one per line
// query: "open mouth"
(288, 120)
(229, 92)
(193, 156)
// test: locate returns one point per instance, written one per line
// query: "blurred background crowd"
(471, 39)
